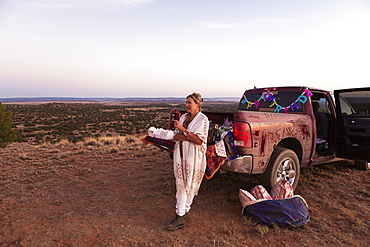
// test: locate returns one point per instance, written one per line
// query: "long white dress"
(190, 163)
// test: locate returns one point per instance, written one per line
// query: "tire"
(283, 164)
(362, 165)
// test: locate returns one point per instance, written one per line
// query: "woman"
(189, 157)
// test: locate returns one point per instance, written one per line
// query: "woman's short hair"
(196, 97)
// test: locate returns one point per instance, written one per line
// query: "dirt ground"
(79, 195)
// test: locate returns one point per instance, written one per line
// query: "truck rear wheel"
(284, 164)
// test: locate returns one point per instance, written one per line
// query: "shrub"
(91, 142)
(7, 134)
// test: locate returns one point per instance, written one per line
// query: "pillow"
(283, 189)
(259, 192)
(245, 197)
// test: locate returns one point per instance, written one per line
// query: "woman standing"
(189, 158)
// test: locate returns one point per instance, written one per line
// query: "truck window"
(320, 103)
(258, 100)
(358, 101)
(323, 105)
(346, 109)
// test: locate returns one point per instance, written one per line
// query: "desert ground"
(119, 191)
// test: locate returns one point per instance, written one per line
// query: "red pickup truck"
(278, 130)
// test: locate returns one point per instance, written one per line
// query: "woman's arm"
(186, 135)
(180, 137)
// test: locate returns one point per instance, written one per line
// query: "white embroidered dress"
(189, 169)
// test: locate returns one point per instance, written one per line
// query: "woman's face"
(191, 106)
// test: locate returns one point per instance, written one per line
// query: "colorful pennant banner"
(269, 97)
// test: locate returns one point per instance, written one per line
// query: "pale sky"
(164, 48)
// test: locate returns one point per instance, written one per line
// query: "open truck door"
(353, 125)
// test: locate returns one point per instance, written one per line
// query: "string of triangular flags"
(270, 97)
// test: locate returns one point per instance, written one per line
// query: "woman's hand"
(178, 125)
(188, 137)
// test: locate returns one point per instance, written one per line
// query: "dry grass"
(113, 143)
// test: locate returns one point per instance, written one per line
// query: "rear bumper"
(243, 164)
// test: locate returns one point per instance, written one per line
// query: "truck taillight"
(242, 135)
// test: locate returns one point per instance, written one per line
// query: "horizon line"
(73, 98)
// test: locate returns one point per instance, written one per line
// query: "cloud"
(278, 21)
(105, 4)
(215, 25)
(257, 23)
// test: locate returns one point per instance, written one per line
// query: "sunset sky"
(163, 48)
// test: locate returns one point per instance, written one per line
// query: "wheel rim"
(286, 171)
